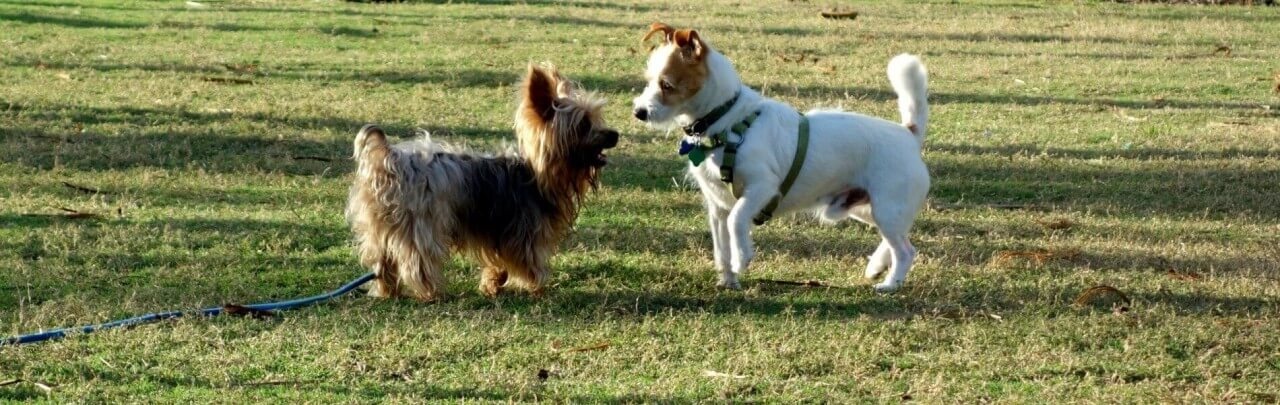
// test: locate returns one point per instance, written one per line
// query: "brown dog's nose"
(610, 138)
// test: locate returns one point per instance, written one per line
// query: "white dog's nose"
(641, 113)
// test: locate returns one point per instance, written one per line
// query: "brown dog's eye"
(665, 85)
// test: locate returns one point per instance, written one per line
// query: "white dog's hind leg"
(894, 222)
(879, 260)
(716, 219)
(903, 256)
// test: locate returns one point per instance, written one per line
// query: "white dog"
(853, 166)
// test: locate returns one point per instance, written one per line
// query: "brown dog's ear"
(540, 87)
(690, 44)
(657, 27)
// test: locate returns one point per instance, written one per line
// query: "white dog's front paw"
(728, 285)
(875, 269)
(888, 287)
(728, 281)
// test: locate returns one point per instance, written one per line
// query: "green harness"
(721, 139)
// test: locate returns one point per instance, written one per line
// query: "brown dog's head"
(561, 129)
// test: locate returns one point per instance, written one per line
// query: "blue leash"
(207, 312)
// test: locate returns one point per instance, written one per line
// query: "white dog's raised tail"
(910, 81)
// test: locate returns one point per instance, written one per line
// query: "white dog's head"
(676, 72)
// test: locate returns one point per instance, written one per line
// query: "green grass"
(1158, 157)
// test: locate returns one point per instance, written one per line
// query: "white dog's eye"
(665, 85)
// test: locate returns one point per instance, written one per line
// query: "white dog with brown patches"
(852, 165)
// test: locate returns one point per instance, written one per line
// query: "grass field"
(1072, 145)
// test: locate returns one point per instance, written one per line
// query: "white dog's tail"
(910, 81)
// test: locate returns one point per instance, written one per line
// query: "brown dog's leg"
(385, 285)
(492, 278)
(530, 271)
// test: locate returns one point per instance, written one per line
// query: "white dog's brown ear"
(690, 44)
(657, 27)
(541, 86)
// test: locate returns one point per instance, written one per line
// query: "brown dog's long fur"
(412, 204)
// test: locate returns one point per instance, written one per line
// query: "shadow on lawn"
(958, 300)
(943, 98)
(159, 277)
(87, 22)
(452, 77)
(155, 144)
(627, 84)
(1125, 187)
(1140, 153)
(376, 385)
(1137, 182)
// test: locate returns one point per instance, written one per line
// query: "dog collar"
(700, 125)
(696, 147)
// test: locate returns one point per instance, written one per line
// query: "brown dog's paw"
(492, 281)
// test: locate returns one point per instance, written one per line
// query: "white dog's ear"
(655, 28)
(541, 89)
(690, 43)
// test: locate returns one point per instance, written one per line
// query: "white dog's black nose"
(642, 114)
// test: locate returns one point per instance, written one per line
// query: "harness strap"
(731, 148)
(697, 152)
(802, 149)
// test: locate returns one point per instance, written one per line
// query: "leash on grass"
(252, 309)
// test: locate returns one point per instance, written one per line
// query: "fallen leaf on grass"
(802, 283)
(64, 75)
(839, 15)
(69, 214)
(1120, 113)
(73, 214)
(275, 383)
(1038, 256)
(82, 189)
(948, 207)
(1224, 49)
(1093, 293)
(10, 382)
(226, 80)
(797, 59)
(601, 346)
(1182, 276)
(717, 374)
(1232, 123)
(1057, 224)
(196, 5)
(245, 68)
(47, 389)
(316, 158)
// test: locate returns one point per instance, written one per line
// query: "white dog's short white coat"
(858, 166)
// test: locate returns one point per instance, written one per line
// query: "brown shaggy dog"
(414, 203)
